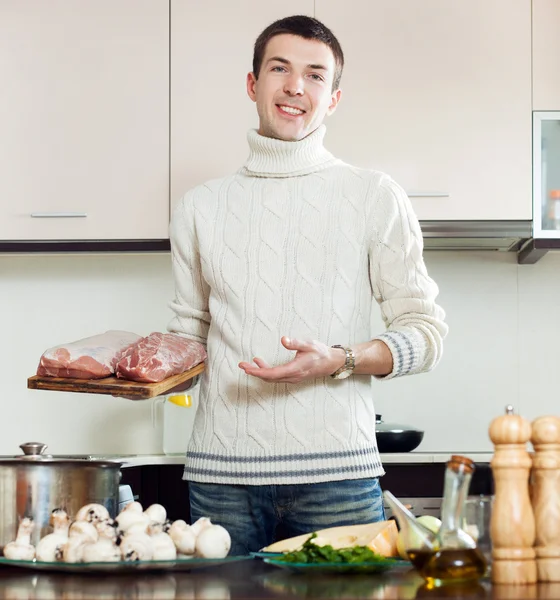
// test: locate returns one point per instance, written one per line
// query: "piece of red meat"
(159, 356)
(88, 358)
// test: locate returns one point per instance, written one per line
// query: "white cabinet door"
(546, 55)
(211, 54)
(438, 95)
(84, 119)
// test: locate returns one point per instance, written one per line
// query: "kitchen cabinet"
(84, 115)
(438, 95)
(546, 174)
(161, 484)
(546, 55)
(211, 53)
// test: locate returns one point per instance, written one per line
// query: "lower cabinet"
(162, 484)
(419, 485)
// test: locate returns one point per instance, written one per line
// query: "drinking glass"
(478, 510)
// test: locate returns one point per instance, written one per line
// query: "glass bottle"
(457, 557)
(451, 555)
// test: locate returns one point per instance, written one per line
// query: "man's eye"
(278, 69)
(316, 77)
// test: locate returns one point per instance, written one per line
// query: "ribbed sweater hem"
(296, 468)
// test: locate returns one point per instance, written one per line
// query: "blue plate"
(379, 566)
(261, 554)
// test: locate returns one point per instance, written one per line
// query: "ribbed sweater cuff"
(408, 352)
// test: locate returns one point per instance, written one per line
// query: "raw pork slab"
(90, 358)
(159, 356)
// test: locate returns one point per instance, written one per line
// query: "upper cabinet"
(438, 95)
(546, 55)
(211, 54)
(84, 116)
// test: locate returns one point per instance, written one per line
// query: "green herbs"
(311, 553)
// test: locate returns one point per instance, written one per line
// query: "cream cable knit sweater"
(296, 243)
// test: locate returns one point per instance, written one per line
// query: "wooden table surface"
(249, 579)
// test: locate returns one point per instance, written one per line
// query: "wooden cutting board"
(113, 386)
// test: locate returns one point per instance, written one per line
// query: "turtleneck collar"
(269, 157)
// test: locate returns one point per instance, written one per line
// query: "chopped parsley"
(311, 553)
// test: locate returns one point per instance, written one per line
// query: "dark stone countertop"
(248, 579)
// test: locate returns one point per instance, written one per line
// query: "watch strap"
(349, 363)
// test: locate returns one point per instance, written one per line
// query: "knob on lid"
(510, 428)
(33, 450)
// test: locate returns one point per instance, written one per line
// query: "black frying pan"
(392, 437)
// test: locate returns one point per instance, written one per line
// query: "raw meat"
(91, 358)
(159, 356)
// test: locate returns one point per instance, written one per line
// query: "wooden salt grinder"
(512, 524)
(545, 495)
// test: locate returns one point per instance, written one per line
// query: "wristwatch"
(349, 364)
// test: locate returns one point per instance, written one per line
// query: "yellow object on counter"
(181, 400)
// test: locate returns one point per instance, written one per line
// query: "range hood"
(506, 236)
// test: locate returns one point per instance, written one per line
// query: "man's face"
(294, 89)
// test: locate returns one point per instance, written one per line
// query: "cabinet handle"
(58, 215)
(428, 194)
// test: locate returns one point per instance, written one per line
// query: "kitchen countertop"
(141, 460)
(251, 579)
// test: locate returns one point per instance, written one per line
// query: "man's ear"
(251, 86)
(335, 99)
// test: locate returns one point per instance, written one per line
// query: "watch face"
(344, 374)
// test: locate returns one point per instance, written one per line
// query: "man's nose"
(293, 86)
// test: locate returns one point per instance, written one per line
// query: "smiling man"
(276, 270)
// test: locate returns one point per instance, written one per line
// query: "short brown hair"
(307, 28)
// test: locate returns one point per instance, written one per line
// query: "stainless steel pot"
(393, 437)
(34, 484)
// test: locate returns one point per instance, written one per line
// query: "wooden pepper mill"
(545, 496)
(512, 524)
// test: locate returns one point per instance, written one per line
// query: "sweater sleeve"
(401, 285)
(192, 316)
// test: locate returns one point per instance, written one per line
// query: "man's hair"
(304, 27)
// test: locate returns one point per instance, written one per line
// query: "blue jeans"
(255, 514)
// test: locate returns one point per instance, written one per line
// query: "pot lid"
(380, 425)
(34, 452)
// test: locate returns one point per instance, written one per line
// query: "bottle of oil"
(456, 558)
(451, 555)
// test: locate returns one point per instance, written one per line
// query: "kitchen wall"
(502, 348)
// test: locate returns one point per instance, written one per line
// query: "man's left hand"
(313, 360)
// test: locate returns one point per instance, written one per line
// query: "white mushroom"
(133, 507)
(164, 547)
(49, 548)
(107, 529)
(213, 542)
(84, 530)
(92, 513)
(105, 549)
(80, 534)
(183, 537)
(201, 524)
(156, 513)
(137, 546)
(128, 519)
(21, 548)
(73, 550)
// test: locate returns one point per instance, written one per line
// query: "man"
(275, 269)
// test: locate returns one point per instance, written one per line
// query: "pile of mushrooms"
(134, 535)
